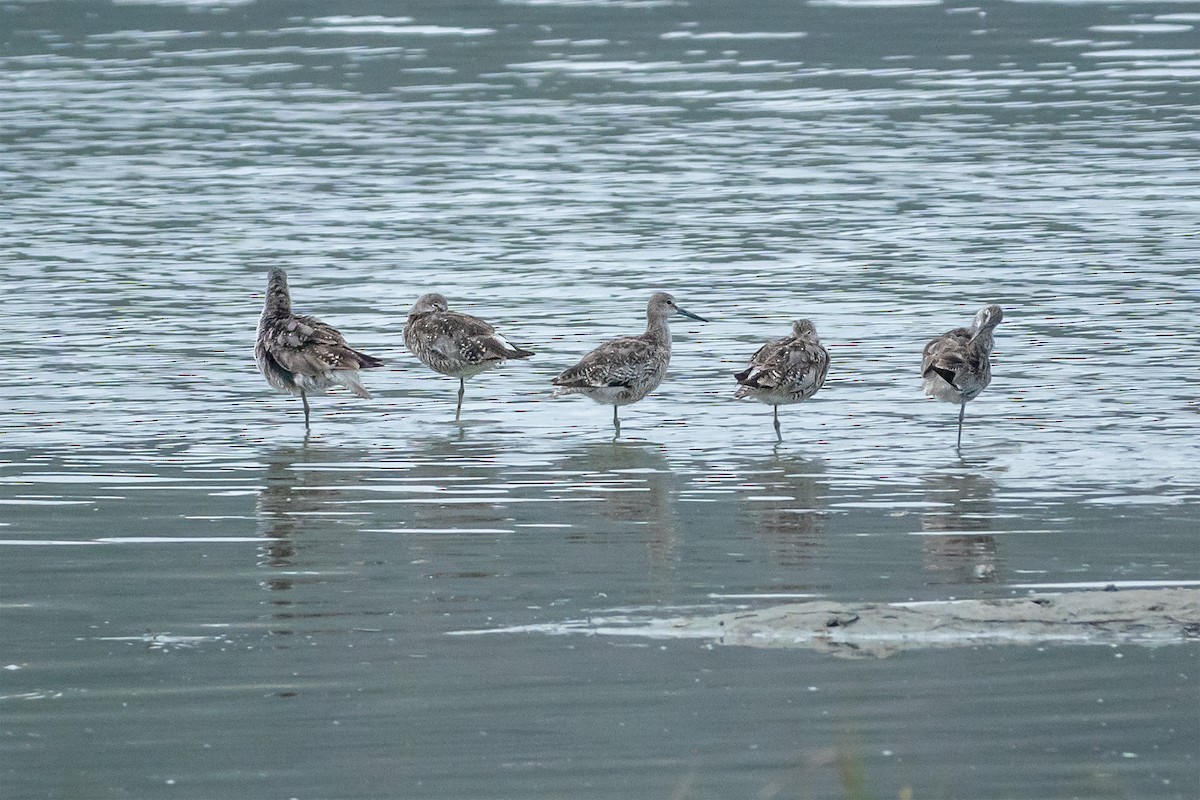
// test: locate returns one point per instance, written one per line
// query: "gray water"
(201, 602)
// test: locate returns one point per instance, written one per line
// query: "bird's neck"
(278, 300)
(983, 339)
(658, 330)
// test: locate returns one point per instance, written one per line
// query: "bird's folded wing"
(946, 356)
(617, 362)
(765, 365)
(308, 346)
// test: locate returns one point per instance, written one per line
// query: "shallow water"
(201, 602)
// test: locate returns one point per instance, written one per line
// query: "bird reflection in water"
(460, 465)
(957, 545)
(786, 506)
(634, 485)
(292, 501)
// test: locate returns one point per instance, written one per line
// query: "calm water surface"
(199, 602)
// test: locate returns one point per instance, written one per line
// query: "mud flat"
(1137, 616)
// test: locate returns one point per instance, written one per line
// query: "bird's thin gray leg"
(304, 399)
(778, 432)
(616, 422)
(462, 388)
(962, 409)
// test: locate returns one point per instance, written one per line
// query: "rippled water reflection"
(198, 600)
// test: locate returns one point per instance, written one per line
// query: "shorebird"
(298, 354)
(786, 370)
(624, 370)
(957, 365)
(455, 344)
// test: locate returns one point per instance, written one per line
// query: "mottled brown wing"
(466, 324)
(948, 355)
(450, 342)
(307, 346)
(766, 365)
(806, 368)
(479, 342)
(617, 362)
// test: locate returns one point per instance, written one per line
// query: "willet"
(786, 370)
(624, 370)
(455, 344)
(299, 355)
(957, 365)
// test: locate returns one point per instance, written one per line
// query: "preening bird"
(957, 365)
(302, 355)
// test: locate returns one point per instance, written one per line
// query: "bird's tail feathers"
(349, 379)
(367, 362)
(563, 391)
(753, 379)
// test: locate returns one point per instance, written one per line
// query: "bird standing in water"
(455, 344)
(957, 365)
(787, 370)
(624, 370)
(302, 355)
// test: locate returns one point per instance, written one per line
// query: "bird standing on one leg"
(299, 355)
(957, 365)
(626, 369)
(455, 344)
(786, 370)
